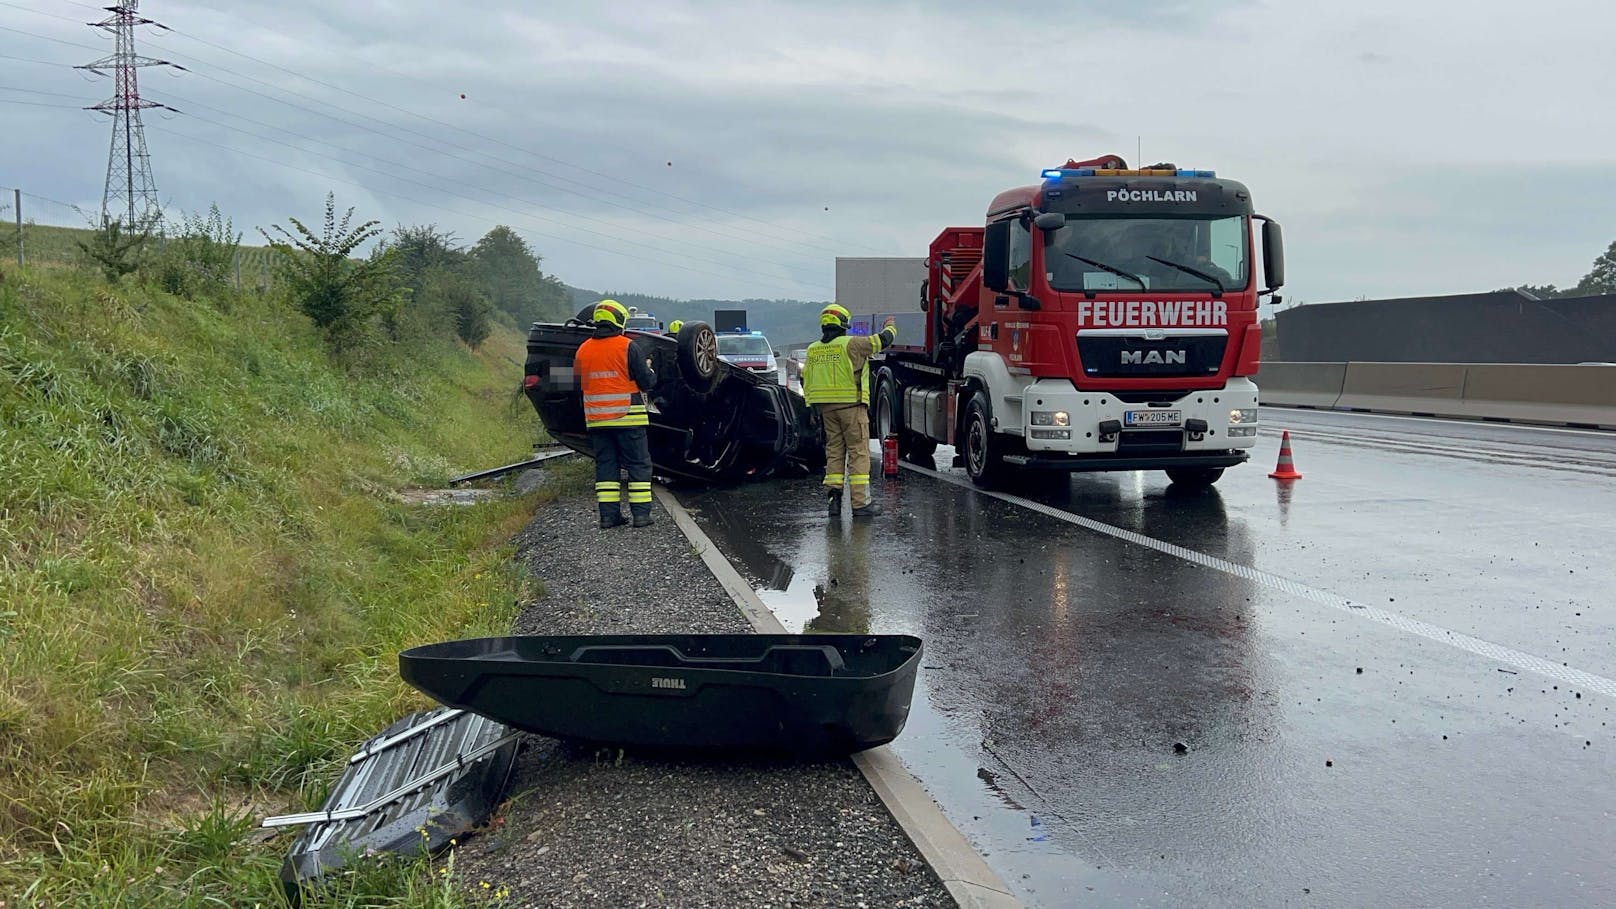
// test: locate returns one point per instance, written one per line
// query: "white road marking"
(1558, 671)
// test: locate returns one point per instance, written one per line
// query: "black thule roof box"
(786, 693)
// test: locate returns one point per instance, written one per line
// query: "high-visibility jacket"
(828, 373)
(611, 396)
(828, 377)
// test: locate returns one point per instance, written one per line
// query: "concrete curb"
(969, 880)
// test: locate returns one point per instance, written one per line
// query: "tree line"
(1600, 279)
(416, 281)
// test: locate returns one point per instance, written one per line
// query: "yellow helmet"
(835, 314)
(611, 311)
(675, 325)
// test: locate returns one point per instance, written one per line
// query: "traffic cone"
(1285, 469)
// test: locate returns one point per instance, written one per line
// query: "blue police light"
(1207, 174)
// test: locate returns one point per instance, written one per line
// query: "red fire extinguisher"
(889, 456)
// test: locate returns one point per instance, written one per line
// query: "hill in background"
(786, 322)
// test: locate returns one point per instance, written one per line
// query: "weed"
(205, 579)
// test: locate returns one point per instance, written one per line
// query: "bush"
(342, 295)
(114, 249)
(200, 255)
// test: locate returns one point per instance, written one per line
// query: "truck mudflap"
(1212, 459)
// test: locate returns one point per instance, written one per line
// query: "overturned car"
(710, 422)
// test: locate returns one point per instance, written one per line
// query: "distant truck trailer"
(872, 285)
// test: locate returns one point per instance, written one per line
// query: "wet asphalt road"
(1249, 697)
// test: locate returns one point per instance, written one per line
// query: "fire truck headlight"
(1238, 417)
(1051, 418)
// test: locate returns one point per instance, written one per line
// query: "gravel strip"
(589, 827)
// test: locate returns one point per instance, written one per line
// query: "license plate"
(1152, 418)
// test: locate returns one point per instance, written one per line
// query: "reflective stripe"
(859, 479)
(610, 396)
(834, 479)
(637, 415)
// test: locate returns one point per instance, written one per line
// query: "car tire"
(698, 357)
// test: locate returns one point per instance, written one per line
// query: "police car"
(750, 351)
(642, 321)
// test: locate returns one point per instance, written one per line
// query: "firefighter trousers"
(847, 450)
(618, 450)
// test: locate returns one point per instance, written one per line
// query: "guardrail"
(1583, 396)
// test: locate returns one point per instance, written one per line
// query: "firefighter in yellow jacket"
(615, 377)
(836, 381)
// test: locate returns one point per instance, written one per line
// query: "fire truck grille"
(1116, 356)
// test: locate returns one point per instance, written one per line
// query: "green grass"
(205, 579)
(48, 245)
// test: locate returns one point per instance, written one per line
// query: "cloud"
(797, 131)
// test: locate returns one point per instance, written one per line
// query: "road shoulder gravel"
(587, 827)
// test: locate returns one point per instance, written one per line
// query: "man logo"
(1153, 358)
(667, 683)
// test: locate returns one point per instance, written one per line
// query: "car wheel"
(698, 357)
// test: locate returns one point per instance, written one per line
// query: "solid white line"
(1520, 660)
(964, 873)
(1453, 421)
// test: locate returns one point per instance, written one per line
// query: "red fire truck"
(1103, 319)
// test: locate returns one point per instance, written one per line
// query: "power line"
(519, 174)
(615, 178)
(40, 12)
(35, 91)
(514, 169)
(40, 62)
(19, 31)
(391, 126)
(42, 104)
(740, 270)
(325, 176)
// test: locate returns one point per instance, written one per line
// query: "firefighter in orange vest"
(615, 377)
(836, 381)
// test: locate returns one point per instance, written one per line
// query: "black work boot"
(642, 515)
(867, 511)
(835, 506)
(611, 515)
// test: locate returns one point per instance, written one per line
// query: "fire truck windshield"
(1158, 254)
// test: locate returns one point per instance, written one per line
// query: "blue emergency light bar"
(1058, 173)
(742, 331)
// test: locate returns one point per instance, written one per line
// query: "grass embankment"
(52, 245)
(205, 577)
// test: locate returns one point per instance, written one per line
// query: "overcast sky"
(734, 148)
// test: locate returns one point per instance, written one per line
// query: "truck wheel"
(984, 449)
(1193, 477)
(884, 414)
(698, 357)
